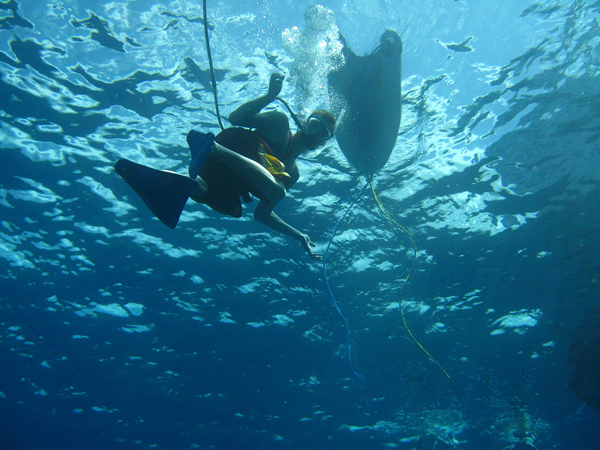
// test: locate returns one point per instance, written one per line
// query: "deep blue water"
(117, 332)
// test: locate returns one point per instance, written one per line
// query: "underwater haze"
(119, 333)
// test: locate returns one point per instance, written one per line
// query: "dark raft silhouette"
(366, 97)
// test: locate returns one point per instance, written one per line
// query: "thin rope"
(412, 269)
(210, 63)
(353, 200)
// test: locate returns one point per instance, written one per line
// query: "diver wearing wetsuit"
(260, 159)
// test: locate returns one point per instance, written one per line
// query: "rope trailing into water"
(412, 269)
(210, 63)
(353, 199)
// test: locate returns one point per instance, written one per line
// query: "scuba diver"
(258, 157)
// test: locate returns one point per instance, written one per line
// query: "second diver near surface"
(258, 158)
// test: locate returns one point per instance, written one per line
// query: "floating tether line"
(213, 80)
(361, 377)
(353, 199)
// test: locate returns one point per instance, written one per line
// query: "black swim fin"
(200, 145)
(165, 193)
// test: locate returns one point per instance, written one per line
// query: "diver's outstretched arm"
(265, 215)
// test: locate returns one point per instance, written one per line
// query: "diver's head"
(318, 129)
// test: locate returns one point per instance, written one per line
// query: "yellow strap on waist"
(273, 165)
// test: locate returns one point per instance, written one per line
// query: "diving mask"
(317, 126)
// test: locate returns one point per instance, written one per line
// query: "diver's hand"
(275, 85)
(308, 244)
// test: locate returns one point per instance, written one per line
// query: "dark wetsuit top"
(225, 186)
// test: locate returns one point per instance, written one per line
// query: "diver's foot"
(200, 145)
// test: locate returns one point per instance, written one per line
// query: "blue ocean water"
(118, 333)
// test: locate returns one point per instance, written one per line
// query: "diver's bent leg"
(251, 171)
